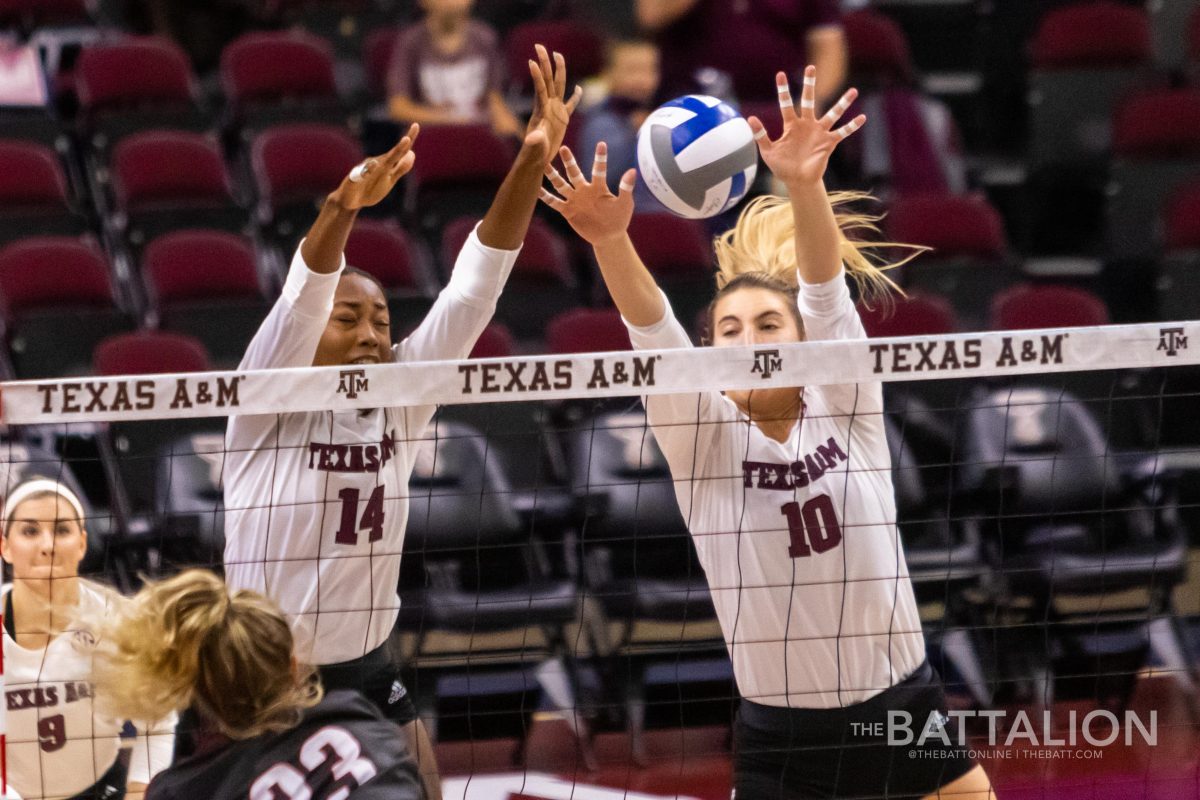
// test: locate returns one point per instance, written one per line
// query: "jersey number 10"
(372, 516)
(814, 526)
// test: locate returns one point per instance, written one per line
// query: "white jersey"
(316, 503)
(798, 539)
(57, 744)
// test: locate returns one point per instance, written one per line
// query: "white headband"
(40, 486)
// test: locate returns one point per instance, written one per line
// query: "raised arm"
(799, 158)
(602, 220)
(289, 335)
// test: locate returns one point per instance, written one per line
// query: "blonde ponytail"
(761, 242)
(185, 641)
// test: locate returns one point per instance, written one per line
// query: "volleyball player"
(266, 730)
(58, 743)
(787, 491)
(316, 503)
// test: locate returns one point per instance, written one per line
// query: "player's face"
(448, 8)
(45, 539)
(754, 315)
(358, 331)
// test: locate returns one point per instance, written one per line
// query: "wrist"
(611, 242)
(335, 202)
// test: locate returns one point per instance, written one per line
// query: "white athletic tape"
(760, 134)
(810, 81)
(626, 186)
(805, 103)
(848, 129)
(358, 172)
(601, 159)
(648, 372)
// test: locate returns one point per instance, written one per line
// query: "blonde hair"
(187, 641)
(761, 243)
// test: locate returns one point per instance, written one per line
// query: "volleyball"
(697, 156)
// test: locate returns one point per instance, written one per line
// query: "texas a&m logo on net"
(766, 363)
(1172, 340)
(351, 382)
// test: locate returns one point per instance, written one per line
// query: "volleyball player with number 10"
(322, 537)
(787, 492)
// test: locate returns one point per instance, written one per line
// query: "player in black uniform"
(267, 731)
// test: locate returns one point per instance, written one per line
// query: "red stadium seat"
(193, 265)
(1028, 307)
(915, 315)
(587, 330)
(1181, 222)
(496, 341)
(150, 353)
(879, 52)
(456, 174)
(951, 225)
(541, 284)
(969, 261)
(165, 180)
(273, 67)
(35, 198)
(297, 165)
(672, 246)
(169, 167)
(1158, 123)
(58, 300)
(377, 58)
(582, 47)
(134, 83)
(31, 14)
(1092, 35)
(385, 251)
(1156, 144)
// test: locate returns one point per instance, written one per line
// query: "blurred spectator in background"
(448, 70)
(631, 77)
(749, 40)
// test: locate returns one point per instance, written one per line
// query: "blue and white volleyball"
(697, 156)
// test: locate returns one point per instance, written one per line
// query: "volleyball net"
(1046, 488)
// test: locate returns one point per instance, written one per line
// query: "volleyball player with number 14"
(316, 503)
(787, 492)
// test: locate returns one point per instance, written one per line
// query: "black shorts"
(377, 678)
(789, 754)
(111, 785)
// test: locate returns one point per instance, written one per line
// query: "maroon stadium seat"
(31, 14)
(496, 341)
(273, 67)
(150, 353)
(1193, 37)
(879, 52)
(1178, 283)
(1028, 307)
(915, 315)
(582, 47)
(951, 225)
(34, 195)
(671, 246)
(385, 251)
(1181, 222)
(1156, 148)
(541, 284)
(204, 283)
(297, 165)
(377, 58)
(969, 261)
(457, 173)
(587, 330)
(165, 180)
(58, 301)
(134, 83)
(1098, 34)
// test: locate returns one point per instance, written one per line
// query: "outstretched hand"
(801, 153)
(374, 178)
(592, 210)
(551, 110)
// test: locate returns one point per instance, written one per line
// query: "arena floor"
(695, 764)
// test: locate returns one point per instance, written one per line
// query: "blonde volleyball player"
(268, 733)
(788, 492)
(316, 503)
(59, 744)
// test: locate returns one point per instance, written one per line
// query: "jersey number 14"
(814, 526)
(372, 517)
